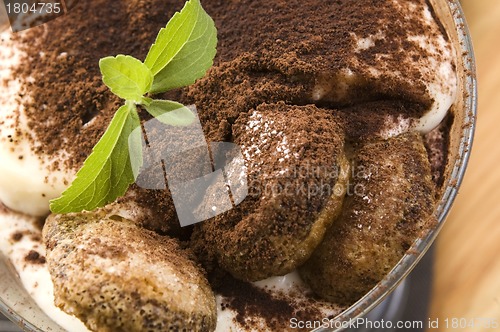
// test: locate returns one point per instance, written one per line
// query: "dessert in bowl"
(368, 103)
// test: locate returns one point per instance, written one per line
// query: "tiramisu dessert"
(340, 110)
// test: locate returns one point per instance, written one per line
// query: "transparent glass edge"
(9, 311)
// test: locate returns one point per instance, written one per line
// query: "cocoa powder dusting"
(17, 236)
(63, 63)
(34, 257)
(270, 57)
(437, 143)
(259, 306)
(277, 59)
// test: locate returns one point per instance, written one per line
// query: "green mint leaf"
(126, 77)
(107, 172)
(183, 50)
(171, 112)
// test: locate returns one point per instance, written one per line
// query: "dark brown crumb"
(34, 257)
(17, 236)
(291, 51)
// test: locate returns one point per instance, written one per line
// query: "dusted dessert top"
(294, 83)
(351, 50)
(333, 54)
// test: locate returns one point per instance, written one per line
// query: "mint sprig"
(182, 53)
(126, 77)
(183, 50)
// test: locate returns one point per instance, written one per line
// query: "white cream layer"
(26, 182)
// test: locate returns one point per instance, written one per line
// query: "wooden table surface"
(467, 266)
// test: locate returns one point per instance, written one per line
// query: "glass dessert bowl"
(18, 305)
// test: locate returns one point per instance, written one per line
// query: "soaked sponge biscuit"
(389, 205)
(115, 276)
(297, 174)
